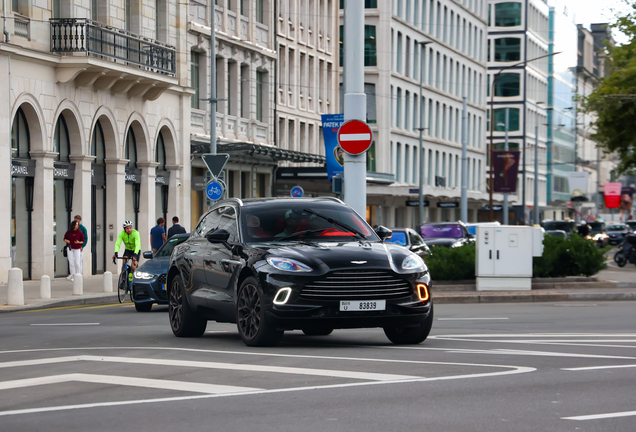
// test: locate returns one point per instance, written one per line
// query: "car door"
(199, 250)
(223, 266)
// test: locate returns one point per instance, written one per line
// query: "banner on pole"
(578, 185)
(333, 152)
(506, 164)
(612, 194)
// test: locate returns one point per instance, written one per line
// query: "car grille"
(357, 285)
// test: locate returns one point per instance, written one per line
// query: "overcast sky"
(595, 11)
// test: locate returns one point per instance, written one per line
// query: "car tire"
(410, 335)
(250, 316)
(143, 307)
(183, 320)
(620, 258)
(317, 331)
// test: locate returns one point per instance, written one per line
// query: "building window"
(398, 58)
(507, 85)
(259, 11)
(261, 95)
(245, 92)
(507, 14)
(507, 49)
(500, 119)
(130, 151)
(370, 49)
(398, 108)
(194, 79)
(369, 89)
(20, 140)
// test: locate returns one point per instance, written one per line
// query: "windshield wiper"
(299, 233)
(335, 222)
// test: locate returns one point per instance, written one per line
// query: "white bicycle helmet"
(127, 224)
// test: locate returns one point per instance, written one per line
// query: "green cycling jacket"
(131, 241)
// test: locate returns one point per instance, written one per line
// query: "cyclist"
(132, 243)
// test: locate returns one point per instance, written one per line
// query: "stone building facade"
(95, 121)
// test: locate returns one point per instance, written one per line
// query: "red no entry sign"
(355, 137)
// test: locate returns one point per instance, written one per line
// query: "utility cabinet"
(504, 256)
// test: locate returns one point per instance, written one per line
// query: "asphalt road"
(485, 367)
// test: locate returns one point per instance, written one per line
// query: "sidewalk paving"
(609, 284)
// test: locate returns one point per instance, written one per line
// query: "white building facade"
(518, 31)
(94, 122)
(453, 65)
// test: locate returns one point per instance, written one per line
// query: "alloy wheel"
(249, 311)
(176, 307)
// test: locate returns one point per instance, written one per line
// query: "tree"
(614, 99)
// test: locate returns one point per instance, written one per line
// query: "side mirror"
(383, 232)
(218, 236)
(148, 255)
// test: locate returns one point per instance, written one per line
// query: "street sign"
(297, 192)
(355, 137)
(215, 162)
(214, 190)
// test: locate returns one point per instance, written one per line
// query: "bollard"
(78, 285)
(15, 293)
(108, 282)
(45, 287)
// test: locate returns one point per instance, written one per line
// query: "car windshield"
(166, 249)
(441, 231)
(302, 220)
(596, 227)
(556, 233)
(617, 228)
(557, 226)
(398, 237)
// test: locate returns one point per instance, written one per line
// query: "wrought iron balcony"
(81, 35)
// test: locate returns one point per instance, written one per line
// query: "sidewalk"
(609, 284)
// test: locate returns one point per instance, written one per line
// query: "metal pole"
(212, 79)
(355, 103)
(536, 176)
(421, 129)
(464, 196)
(505, 205)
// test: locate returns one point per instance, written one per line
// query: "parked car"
(149, 283)
(447, 234)
(597, 233)
(556, 233)
(569, 226)
(472, 227)
(409, 239)
(631, 224)
(616, 232)
(271, 265)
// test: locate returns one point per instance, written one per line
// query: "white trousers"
(74, 261)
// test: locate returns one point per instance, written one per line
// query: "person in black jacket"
(176, 228)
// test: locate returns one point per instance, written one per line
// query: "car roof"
(186, 235)
(444, 223)
(290, 199)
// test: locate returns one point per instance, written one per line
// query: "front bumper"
(150, 290)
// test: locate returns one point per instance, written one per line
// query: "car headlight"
(144, 275)
(287, 264)
(413, 262)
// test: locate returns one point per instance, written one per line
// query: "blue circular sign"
(297, 192)
(214, 190)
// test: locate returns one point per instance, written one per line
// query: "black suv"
(312, 264)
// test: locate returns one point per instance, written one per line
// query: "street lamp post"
(421, 129)
(492, 125)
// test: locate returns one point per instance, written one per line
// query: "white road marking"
(126, 381)
(510, 352)
(66, 324)
(224, 366)
(469, 319)
(602, 416)
(515, 370)
(599, 367)
(527, 335)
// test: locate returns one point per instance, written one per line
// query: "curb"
(103, 299)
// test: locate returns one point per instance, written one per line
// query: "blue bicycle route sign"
(297, 192)
(214, 190)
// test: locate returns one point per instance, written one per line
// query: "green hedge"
(573, 256)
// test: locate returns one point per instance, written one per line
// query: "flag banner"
(506, 170)
(333, 152)
(612, 194)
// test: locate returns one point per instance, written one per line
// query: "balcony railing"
(76, 35)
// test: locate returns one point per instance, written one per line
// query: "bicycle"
(124, 282)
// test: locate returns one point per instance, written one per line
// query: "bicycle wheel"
(122, 287)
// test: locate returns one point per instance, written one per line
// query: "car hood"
(333, 255)
(442, 241)
(155, 266)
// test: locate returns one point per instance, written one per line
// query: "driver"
(292, 222)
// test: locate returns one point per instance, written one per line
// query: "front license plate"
(163, 287)
(362, 305)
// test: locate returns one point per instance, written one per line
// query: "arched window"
(20, 139)
(130, 151)
(97, 145)
(160, 154)
(61, 142)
